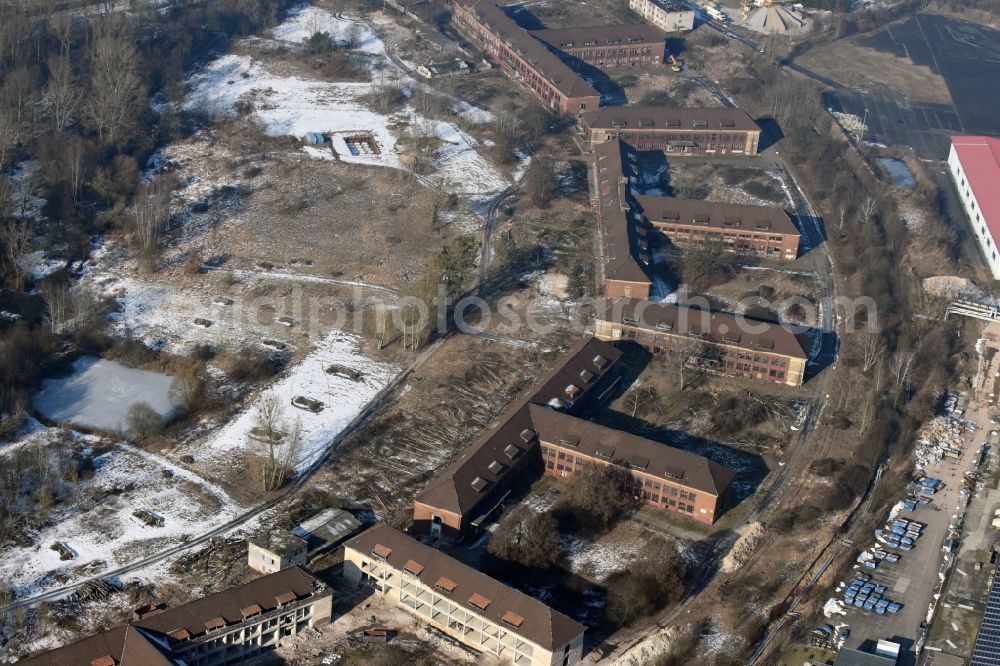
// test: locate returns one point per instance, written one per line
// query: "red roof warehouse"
(974, 162)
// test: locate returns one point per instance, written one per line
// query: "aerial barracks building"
(667, 15)
(974, 162)
(608, 45)
(228, 627)
(719, 342)
(510, 452)
(759, 231)
(723, 131)
(524, 58)
(463, 603)
(625, 237)
(476, 485)
(664, 477)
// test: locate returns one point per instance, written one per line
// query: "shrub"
(527, 538)
(648, 584)
(143, 422)
(735, 413)
(595, 499)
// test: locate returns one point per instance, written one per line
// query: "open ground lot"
(906, 105)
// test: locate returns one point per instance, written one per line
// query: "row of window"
(558, 460)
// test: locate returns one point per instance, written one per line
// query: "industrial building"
(524, 58)
(510, 452)
(695, 131)
(974, 164)
(718, 342)
(758, 231)
(466, 605)
(608, 45)
(667, 15)
(664, 477)
(223, 628)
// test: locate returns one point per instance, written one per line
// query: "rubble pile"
(850, 122)
(743, 548)
(936, 438)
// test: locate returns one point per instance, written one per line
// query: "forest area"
(85, 97)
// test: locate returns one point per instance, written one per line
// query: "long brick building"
(608, 45)
(758, 231)
(719, 342)
(227, 627)
(704, 131)
(508, 453)
(470, 607)
(664, 477)
(626, 254)
(524, 58)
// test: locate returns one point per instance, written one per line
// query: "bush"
(527, 538)
(735, 413)
(319, 42)
(647, 585)
(595, 499)
(248, 365)
(143, 422)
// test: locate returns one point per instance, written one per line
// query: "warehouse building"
(722, 131)
(227, 627)
(974, 163)
(524, 58)
(469, 606)
(608, 45)
(664, 477)
(758, 231)
(719, 342)
(667, 15)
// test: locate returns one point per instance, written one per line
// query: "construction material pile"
(939, 437)
(850, 122)
(743, 548)
(776, 20)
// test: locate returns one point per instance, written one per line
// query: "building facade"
(974, 164)
(524, 58)
(719, 342)
(722, 131)
(766, 232)
(667, 15)
(459, 601)
(227, 627)
(608, 46)
(276, 551)
(664, 477)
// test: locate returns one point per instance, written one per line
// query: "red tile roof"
(980, 159)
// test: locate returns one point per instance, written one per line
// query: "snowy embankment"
(288, 105)
(343, 398)
(98, 526)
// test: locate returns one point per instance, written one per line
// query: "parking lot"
(913, 580)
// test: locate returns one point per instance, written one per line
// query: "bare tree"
(150, 213)
(58, 306)
(272, 444)
(679, 353)
(115, 94)
(867, 210)
(15, 236)
(75, 167)
(872, 350)
(62, 94)
(9, 135)
(901, 367)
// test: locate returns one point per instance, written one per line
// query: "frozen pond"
(99, 393)
(901, 174)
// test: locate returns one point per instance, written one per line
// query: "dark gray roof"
(538, 623)
(681, 467)
(715, 327)
(720, 215)
(849, 657)
(624, 238)
(668, 119)
(600, 35)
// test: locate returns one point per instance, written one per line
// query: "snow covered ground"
(343, 399)
(100, 393)
(288, 105)
(99, 528)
